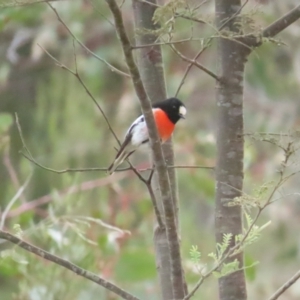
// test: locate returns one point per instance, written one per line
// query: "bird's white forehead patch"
(182, 110)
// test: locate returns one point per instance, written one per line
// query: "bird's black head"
(173, 107)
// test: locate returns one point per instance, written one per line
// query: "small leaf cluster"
(251, 233)
(165, 16)
(227, 268)
(256, 200)
(195, 255)
(221, 248)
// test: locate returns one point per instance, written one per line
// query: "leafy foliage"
(221, 248)
(195, 255)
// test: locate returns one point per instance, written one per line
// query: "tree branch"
(73, 189)
(285, 286)
(282, 23)
(189, 67)
(160, 164)
(195, 63)
(76, 74)
(190, 39)
(111, 67)
(12, 202)
(288, 151)
(68, 265)
(25, 3)
(150, 64)
(254, 40)
(29, 157)
(160, 222)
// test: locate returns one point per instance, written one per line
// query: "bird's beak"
(182, 112)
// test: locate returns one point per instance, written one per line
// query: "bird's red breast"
(164, 125)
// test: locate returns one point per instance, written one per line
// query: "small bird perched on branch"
(166, 114)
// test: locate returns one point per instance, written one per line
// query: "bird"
(166, 114)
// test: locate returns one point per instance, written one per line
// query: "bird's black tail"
(121, 156)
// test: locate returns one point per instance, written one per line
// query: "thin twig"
(177, 15)
(255, 134)
(285, 286)
(155, 206)
(147, 182)
(150, 3)
(12, 201)
(29, 157)
(85, 186)
(95, 8)
(97, 221)
(12, 172)
(76, 74)
(195, 63)
(190, 65)
(168, 43)
(111, 67)
(207, 44)
(25, 3)
(233, 250)
(103, 169)
(195, 288)
(68, 265)
(190, 167)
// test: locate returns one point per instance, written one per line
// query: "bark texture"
(230, 144)
(150, 65)
(176, 273)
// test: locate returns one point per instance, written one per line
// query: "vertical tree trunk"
(149, 58)
(152, 72)
(230, 143)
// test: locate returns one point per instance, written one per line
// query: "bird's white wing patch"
(138, 120)
(138, 131)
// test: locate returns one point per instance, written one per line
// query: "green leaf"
(250, 267)
(195, 254)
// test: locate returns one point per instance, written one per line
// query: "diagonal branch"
(282, 23)
(111, 67)
(207, 44)
(29, 157)
(73, 189)
(25, 3)
(162, 171)
(12, 202)
(76, 74)
(68, 265)
(285, 286)
(189, 67)
(195, 63)
(273, 29)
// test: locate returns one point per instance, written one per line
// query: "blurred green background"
(64, 129)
